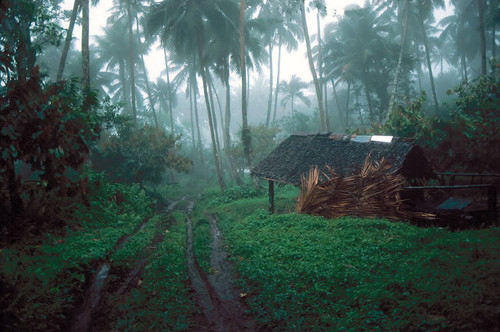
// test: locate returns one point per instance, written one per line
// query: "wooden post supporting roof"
(492, 204)
(271, 196)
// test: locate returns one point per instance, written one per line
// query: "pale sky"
(292, 63)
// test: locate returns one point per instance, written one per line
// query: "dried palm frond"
(374, 192)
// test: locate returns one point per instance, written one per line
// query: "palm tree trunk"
(428, 58)
(146, 79)
(25, 55)
(227, 118)
(245, 130)
(276, 91)
(203, 72)
(464, 66)
(67, 41)
(493, 41)
(400, 59)
(325, 96)
(131, 61)
(211, 90)
(125, 86)
(169, 92)
(337, 101)
(370, 103)
(227, 127)
(347, 105)
(270, 98)
(85, 46)
(194, 88)
(320, 70)
(313, 70)
(482, 39)
(191, 111)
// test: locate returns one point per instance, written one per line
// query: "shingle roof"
(296, 155)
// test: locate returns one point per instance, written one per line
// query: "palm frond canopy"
(300, 152)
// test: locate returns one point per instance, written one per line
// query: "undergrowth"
(43, 279)
(309, 273)
(162, 301)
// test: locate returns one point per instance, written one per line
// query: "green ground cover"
(43, 278)
(162, 302)
(310, 273)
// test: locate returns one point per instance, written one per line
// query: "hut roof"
(346, 154)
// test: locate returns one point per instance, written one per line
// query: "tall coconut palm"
(482, 37)
(405, 9)
(288, 34)
(320, 7)
(142, 50)
(317, 87)
(294, 90)
(425, 10)
(126, 11)
(164, 95)
(358, 51)
(203, 20)
(458, 29)
(113, 48)
(245, 130)
(85, 46)
(67, 41)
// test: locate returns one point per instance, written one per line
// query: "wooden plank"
(460, 186)
(271, 196)
(492, 204)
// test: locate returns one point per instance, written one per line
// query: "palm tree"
(458, 29)
(85, 46)
(131, 58)
(164, 95)
(187, 75)
(294, 90)
(317, 87)
(113, 48)
(125, 13)
(204, 20)
(357, 50)
(288, 33)
(482, 38)
(425, 10)
(67, 41)
(245, 130)
(142, 49)
(320, 7)
(405, 9)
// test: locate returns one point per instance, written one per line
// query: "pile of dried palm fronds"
(374, 192)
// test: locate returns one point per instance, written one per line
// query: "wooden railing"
(491, 190)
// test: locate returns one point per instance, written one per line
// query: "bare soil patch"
(218, 298)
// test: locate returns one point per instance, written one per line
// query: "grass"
(300, 272)
(310, 273)
(43, 278)
(162, 302)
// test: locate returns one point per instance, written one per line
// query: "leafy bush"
(44, 138)
(263, 142)
(237, 192)
(465, 140)
(471, 138)
(136, 155)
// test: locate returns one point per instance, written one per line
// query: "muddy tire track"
(216, 294)
(81, 320)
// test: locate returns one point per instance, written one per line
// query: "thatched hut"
(346, 154)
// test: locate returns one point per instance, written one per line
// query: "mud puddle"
(216, 294)
(82, 319)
